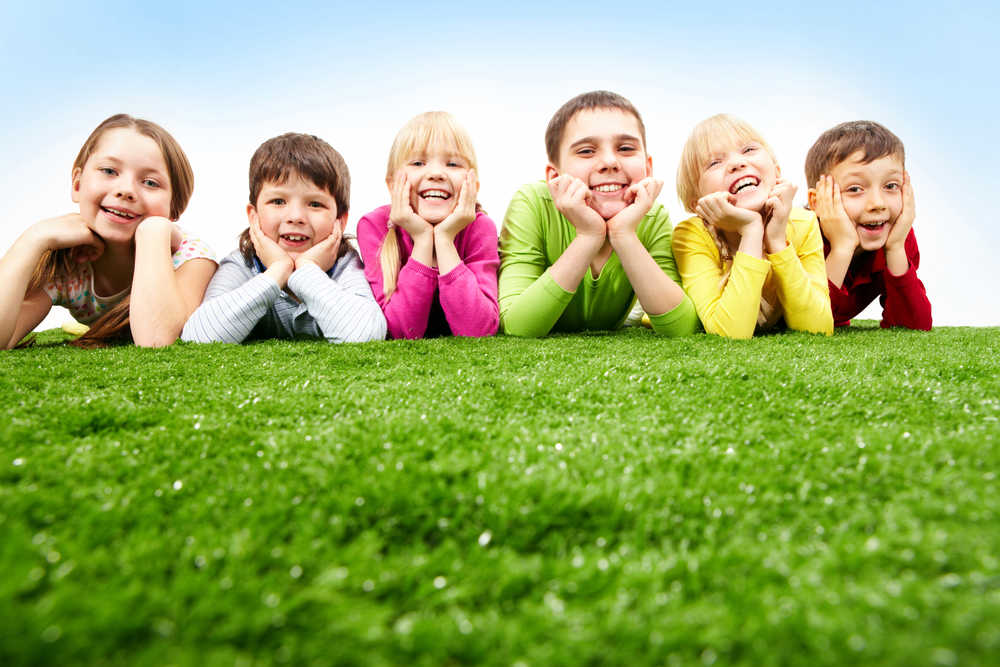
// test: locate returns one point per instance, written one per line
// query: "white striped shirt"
(241, 304)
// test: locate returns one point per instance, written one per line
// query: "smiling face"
(436, 175)
(296, 214)
(745, 170)
(123, 182)
(872, 194)
(603, 148)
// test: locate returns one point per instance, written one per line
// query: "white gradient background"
(223, 77)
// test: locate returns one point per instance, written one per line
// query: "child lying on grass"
(294, 275)
(578, 249)
(864, 201)
(749, 260)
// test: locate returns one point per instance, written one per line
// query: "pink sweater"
(462, 302)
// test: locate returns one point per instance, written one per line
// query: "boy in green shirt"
(577, 249)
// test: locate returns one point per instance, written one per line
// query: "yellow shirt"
(795, 275)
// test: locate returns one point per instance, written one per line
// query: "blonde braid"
(725, 252)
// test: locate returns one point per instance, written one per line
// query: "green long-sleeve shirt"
(532, 304)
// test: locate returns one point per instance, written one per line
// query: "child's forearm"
(234, 311)
(574, 263)
(896, 261)
(469, 299)
(344, 313)
(16, 268)
(656, 291)
(837, 264)
(157, 310)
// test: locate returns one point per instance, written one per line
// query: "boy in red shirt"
(864, 201)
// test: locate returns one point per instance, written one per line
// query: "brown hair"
(414, 138)
(841, 142)
(59, 265)
(721, 130)
(598, 99)
(278, 159)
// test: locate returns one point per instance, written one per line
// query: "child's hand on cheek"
(571, 197)
(718, 209)
(465, 210)
(833, 219)
(780, 204)
(275, 260)
(324, 253)
(69, 231)
(904, 221)
(640, 198)
(401, 213)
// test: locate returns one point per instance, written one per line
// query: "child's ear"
(812, 199)
(649, 166)
(75, 189)
(251, 214)
(777, 170)
(551, 172)
(342, 221)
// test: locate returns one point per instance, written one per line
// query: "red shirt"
(903, 298)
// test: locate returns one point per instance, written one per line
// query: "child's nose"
(126, 189)
(876, 202)
(608, 160)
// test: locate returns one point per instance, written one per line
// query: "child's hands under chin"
(401, 214)
(270, 253)
(719, 209)
(779, 202)
(571, 197)
(465, 210)
(639, 197)
(324, 253)
(833, 219)
(904, 221)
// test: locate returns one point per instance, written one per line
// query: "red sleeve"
(469, 291)
(409, 309)
(905, 302)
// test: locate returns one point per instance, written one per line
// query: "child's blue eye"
(150, 183)
(109, 171)
(417, 163)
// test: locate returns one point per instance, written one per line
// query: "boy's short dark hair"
(841, 142)
(598, 99)
(308, 156)
(277, 159)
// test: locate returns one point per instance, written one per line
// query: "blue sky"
(223, 77)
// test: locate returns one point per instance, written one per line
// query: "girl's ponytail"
(389, 261)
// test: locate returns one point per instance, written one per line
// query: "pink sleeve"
(469, 291)
(409, 308)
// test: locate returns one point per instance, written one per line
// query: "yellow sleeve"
(800, 276)
(729, 311)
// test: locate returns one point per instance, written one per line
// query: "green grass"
(580, 500)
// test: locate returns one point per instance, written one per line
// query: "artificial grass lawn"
(579, 500)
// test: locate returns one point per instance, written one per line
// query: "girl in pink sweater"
(431, 256)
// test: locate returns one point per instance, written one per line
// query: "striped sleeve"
(234, 303)
(342, 304)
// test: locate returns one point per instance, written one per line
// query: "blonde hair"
(415, 137)
(720, 131)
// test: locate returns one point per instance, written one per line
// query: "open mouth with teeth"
(745, 184)
(294, 239)
(117, 214)
(608, 188)
(435, 195)
(873, 228)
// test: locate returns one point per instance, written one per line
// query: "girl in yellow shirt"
(749, 260)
